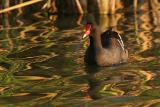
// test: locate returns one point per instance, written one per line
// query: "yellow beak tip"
(84, 36)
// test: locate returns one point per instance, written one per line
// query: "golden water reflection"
(41, 62)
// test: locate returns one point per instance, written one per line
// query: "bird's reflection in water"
(93, 82)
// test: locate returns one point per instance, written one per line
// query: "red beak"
(88, 31)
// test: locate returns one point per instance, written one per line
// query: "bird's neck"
(97, 39)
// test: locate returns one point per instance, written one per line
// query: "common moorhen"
(106, 48)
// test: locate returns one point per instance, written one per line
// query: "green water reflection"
(41, 62)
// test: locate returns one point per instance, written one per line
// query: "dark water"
(41, 62)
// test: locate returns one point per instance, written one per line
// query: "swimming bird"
(106, 48)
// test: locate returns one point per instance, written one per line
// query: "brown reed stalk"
(135, 4)
(20, 5)
(80, 10)
(112, 6)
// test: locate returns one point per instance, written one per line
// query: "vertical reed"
(112, 6)
(135, 4)
(80, 10)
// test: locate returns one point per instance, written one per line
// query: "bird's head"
(87, 30)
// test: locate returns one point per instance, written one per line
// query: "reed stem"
(79, 7)
(19, 5)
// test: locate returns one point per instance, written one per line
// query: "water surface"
(41, 62)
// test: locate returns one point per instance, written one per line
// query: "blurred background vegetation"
(81, 6)
(41, 54)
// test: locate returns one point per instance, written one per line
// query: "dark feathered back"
(107, 35)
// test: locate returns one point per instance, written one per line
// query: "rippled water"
(41, 62)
